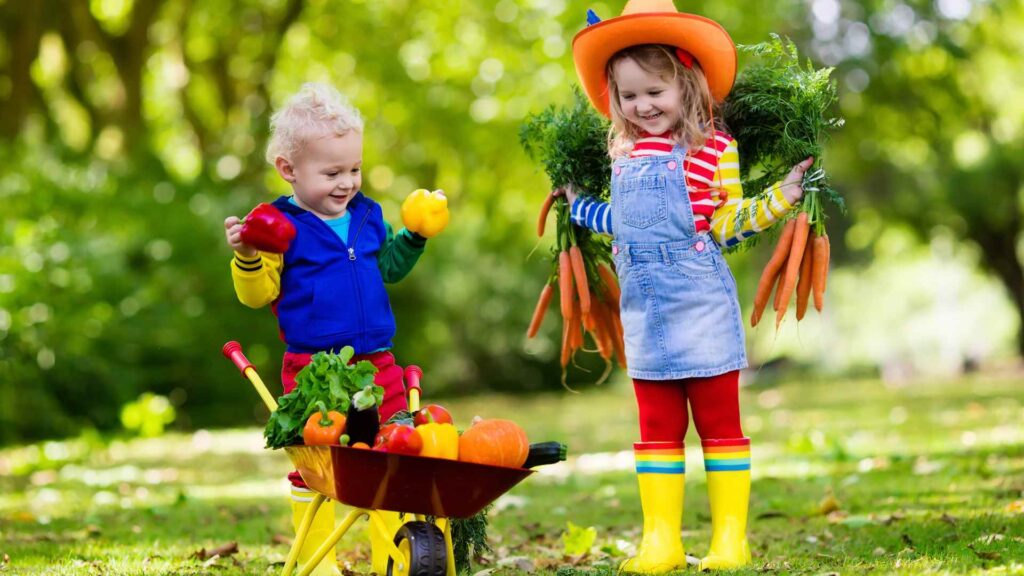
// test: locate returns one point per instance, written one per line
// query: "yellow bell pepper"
(439, 440)
(425, 212)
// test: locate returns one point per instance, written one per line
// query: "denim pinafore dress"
(680, 311)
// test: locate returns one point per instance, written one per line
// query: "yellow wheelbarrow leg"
(382, 538)
(301, 533)
(384, 524)
(328, 544)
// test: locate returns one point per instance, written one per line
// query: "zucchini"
(545, 453)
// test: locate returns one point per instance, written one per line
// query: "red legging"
(714, 401)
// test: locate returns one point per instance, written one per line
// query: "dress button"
(615, 250)
(699, 246)
(618, 170)
(672, 165)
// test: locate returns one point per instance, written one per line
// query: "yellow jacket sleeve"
(257, 279)
(727, 226)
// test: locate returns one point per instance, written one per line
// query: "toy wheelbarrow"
(395, 492)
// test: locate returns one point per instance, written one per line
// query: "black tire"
(428, 556)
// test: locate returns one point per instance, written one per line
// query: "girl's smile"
(647, 100)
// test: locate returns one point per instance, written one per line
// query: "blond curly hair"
(315, 111)
(695, 101)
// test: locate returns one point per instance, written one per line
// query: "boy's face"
(326, 174)
(647, 100)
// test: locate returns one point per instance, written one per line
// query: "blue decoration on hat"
(592, 18)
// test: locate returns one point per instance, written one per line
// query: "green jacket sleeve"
(399, 254)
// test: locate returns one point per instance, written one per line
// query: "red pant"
(389, 376)
(714, 401)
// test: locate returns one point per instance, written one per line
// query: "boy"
(327, 288)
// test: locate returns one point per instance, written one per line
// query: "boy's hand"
(233, 232)
(425, 212)
(792, 185)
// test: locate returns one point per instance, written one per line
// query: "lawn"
(850, 476)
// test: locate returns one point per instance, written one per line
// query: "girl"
(676, 199)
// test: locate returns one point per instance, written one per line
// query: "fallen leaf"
(828, 504)
(948, 519)
(282, 539)
(1015, 507)
(520, 563)
(879, 551)
(223, 550)
(983, 554)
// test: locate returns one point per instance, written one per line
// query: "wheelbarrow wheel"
(422, 543)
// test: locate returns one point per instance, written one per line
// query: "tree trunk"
(999, 254)
(23, 26)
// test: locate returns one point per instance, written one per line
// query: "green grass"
(924, 478)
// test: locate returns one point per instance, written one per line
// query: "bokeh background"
(130, 129)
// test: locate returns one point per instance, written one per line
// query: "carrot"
(579, 273)
(803, 287)
(566, 348)
(589, 321)
(576, 334)
(617, 336)
(771, 269)
(778, 285)
(611, 284)
(819, 270)
(603, 328)
(540, 310)
(796, 252)
(565, 284)
(828, 261)
(544, 209)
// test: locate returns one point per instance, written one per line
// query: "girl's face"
(326, 174)
(647, 100)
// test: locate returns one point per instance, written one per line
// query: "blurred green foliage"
(132, 128)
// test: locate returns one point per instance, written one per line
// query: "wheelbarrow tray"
(413, 484)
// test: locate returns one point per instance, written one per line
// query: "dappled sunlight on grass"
(849, 476)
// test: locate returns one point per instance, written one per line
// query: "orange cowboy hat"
(652, 22)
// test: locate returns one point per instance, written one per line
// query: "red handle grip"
(413, 374)
(233, 351)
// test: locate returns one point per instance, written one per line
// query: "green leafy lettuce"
(328, 378)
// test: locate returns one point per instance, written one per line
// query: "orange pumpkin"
(496, 442)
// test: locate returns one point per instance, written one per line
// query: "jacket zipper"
(355, 283)
(352, 248)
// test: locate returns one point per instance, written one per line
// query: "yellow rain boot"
(319, 530)
(728, 467)
(661, 473)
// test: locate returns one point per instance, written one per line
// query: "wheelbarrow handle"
(413, 374)
(233, 351)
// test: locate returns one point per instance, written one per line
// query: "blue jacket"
(332, 292)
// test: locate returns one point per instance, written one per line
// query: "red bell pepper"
(267, 229)
(399, 439)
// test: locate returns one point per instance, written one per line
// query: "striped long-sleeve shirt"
(716, 195)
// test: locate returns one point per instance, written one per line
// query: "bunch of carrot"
(588, 291)
(798, 264)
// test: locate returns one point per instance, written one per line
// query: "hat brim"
(709, 43)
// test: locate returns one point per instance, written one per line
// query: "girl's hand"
(566, 191)
(233, 232)
(792, 187)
